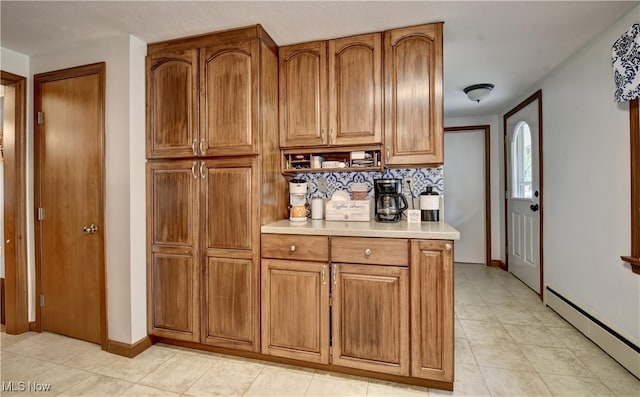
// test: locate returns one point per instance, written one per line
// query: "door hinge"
(40, 118)
(41, 300)
(40, 214)
(506, 195)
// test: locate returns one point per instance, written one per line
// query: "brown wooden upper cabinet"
(331, 92)
(172, 104)
(413, 95)
(203, 101)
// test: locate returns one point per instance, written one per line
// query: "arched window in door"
(521, 162)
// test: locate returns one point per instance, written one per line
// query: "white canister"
(317, 207)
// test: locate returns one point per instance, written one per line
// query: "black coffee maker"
(390, 201)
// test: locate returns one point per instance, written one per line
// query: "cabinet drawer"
(293, 246)
(374, 251)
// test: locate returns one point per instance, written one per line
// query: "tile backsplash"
(422, 177)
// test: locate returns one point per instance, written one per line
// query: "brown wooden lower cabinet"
(393, 317)
(432, 309)
(324, 304)
(295, 310)
(228, 317)
(371, 318)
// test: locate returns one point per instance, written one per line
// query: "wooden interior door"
(371, 318)
(355, 90)
(69, 142)
(15, 293)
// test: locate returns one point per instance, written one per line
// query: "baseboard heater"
(617, 346)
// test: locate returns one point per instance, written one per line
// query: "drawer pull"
(292, 248)
(448, 247)
(367, 252)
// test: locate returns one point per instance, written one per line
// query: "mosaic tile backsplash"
(422, 177)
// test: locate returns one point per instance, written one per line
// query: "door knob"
(92, 229)
(534, 207)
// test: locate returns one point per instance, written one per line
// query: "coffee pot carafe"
(390, 202)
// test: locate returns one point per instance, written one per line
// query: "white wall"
(125, 112)
(137, 188)
(496, 177)
(587, 186)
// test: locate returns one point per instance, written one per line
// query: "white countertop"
(402, 229)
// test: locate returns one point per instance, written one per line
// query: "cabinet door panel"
(303, 94)
(413, 130)
(173, 269)
(228, 99)
(175, 296)
(371, 318)
(231, 303)
(355, 78)
(432, 310)
(172, 104)
(173, 204)
(295, 310)
(230, 204)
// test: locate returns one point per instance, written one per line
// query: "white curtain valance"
(625, 56)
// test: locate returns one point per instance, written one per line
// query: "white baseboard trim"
(622, 350)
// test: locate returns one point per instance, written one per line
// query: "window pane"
(521, 162)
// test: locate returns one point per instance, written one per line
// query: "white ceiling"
(512, 44)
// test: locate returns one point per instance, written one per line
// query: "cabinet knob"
(448, 247)
(367, 252)
(292, 248)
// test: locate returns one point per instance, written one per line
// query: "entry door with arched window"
(523, 194)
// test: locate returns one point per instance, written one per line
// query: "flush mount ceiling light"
(478, 92)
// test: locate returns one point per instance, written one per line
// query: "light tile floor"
(507, 344)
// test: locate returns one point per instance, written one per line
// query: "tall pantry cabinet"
(213, 178)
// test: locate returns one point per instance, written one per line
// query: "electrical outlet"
(322, 184)
(407, 184)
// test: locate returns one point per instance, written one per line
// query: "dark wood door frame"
(536, 96)
(487, 182)
(634, 123)
(16, 285)
(99, 69)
